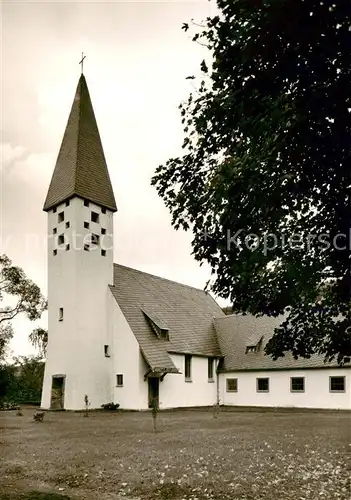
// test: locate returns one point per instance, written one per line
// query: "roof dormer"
(157, 325)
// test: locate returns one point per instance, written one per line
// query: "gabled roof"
(187, 312)
(81, 168)
(236, 332)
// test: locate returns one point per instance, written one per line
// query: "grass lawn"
(251, 455)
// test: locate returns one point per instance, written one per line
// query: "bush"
(110, 406)
(38, 416)
(8, 405)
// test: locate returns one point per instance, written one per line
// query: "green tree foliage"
(25, 298)
(39, 338)
(22, 380)
(264, 181)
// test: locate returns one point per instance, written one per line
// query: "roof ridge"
(78, 93)
(165, 279)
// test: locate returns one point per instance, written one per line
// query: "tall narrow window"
(54, 231)
(103, 230)
(187, 371)
(61, 239)
(107, 351)
(61, 217)
(86, 203)
(119, 380)
(67, 224)
(61, 314)
(210, 363)
(67, 203)
(86, 225)
(103, 210)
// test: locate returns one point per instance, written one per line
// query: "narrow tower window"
(86, 203)
(54, 210)
(86, 225)
(103, 230)
(119, 379)
(54, 231)
(61, 239)
(61, 217)
(103, 210)
(61, 314)
(103, 253)
(107, 351)
(67, 203)
(67, 225)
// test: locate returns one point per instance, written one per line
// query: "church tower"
(80, 205)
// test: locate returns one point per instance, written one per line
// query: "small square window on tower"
(61, 217)
(103, 210)
(86, 248)
(54, 231)
(54, 210)
(67, 203)
(86, 225)
(61, 239)
(67, 247)
(67, 225)
(103, 230)
(119, 380)
(94, 239)
(107, 351)
(94, 217)
(86, 203)
(54, 252)
(61, 314)
(103, 253)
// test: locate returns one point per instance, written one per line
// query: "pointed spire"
(81, 168)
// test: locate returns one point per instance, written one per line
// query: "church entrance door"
(57, 392)
(154, 387)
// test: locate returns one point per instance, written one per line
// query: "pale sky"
(136, 64)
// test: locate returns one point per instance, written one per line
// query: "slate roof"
(235, 333)
(81, 168)
(187, 312)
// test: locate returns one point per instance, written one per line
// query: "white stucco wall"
(316, 394)
(175, 392)
(125, 354)
(78, 282)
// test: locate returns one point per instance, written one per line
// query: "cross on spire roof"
(82, 60)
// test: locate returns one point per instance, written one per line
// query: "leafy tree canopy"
(264, 181)
(24, 295)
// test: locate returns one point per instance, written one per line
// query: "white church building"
(121, 335)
